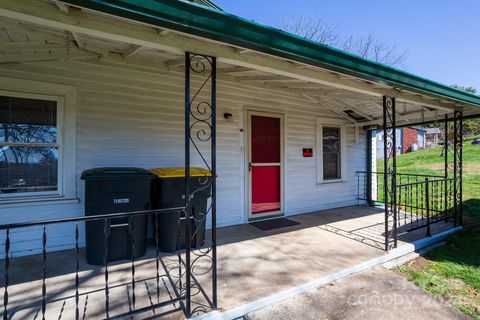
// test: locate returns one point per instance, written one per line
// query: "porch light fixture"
(228, 116)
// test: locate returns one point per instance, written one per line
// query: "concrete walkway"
(374, 294)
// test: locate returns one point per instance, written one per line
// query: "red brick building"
(410, 137)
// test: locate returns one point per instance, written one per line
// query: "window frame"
(331, 123)
(57, 144)
(65, 98)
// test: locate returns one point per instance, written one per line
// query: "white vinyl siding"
(134, 117)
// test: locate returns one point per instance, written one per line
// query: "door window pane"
(331, 153)
(265, 139)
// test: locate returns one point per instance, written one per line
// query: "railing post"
(427, 206)
(187, 186)
(6, 275)
(214, 181)
(131, 232)
(77, 269)
(44, 272)
(106, 234)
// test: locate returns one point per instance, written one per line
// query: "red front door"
(265, 164)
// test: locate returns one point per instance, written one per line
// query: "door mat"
(274, 224)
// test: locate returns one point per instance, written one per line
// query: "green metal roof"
(207, 3)
(218, 25)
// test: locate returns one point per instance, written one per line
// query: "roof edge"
(207, 3)
(217, 25)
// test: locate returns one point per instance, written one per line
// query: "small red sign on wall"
(307, 152)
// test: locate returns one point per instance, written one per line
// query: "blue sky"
(441, 37)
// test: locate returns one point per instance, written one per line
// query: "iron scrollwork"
(453, 164)
(200, 151)
(390, 167)
(457, 152)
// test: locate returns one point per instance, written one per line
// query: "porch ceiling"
(33, 31)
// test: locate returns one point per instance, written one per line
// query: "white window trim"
(322, 122)
(65, 96)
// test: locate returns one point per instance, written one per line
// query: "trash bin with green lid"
(169, 192)
(116, 190)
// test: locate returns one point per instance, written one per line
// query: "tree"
(471, 90)
(471, 127)
(318, 29)
(375, 49)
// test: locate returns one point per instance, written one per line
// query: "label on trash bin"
(121, 201)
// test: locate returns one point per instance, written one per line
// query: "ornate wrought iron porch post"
(446, 151)
(200, 151)
(457, 166)
(390, 172)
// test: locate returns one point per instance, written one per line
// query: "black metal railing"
(370, 185)
(173, 273)
(421, 200)
(422, 203)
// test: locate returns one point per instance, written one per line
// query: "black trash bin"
(169, 192)
(116, 190)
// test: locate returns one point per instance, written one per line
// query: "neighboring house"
(411, 139)
(432, 137)
(379, 139)
(284, 124)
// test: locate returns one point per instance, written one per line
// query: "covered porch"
(156, 92)
(252, 265)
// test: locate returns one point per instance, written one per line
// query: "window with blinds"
(331, 153)
(29, 148)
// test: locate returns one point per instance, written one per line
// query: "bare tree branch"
(375, 49)
(312, 28)
(320, 30)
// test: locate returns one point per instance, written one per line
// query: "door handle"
(249, 166)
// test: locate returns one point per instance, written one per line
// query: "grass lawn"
(453, 270)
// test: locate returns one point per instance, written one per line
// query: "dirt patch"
(419, 265)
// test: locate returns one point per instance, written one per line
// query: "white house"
(90, 83)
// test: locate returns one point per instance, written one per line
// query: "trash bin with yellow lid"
(169, 192)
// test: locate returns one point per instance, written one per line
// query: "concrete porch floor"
(252, 264)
